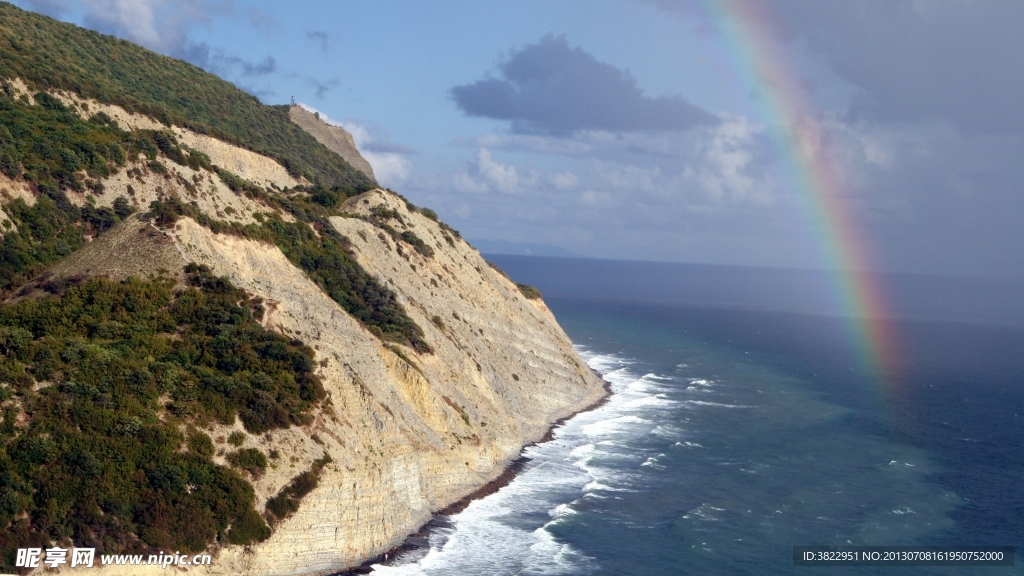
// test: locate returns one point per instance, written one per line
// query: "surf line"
(749, 35)
(440, 519)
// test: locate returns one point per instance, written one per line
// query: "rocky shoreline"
(421, 538)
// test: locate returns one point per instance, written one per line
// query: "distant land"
(910, 296)
(522, 249)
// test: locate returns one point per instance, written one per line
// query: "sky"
(773, 133)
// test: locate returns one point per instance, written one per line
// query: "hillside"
(206, 350)
(334, 138)
(50, 55)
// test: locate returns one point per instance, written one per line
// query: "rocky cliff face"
(335, 138)
(407, 433)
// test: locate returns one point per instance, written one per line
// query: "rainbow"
(797, 133)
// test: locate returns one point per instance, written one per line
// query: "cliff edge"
(407, 434)
(220, 337)
(335, 138)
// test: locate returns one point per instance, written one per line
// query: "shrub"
(249, 529)
(236, 438)
(249, 459)
(100, 458)
(324, 255)
(286, 502)
(52, 55)
(200, 444)
(530, 292)
(417, 244)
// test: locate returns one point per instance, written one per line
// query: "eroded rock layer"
(408, 433)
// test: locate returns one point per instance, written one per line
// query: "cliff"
(219, 336)
(428, 370)
(408, 434)
(335, 138)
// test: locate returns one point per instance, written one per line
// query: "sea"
(743, 423)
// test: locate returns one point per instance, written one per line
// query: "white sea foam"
(702, 403)
(703, 512)
(617, 425)
(653, 376)
(494, 535)
(597, 485)
(652, 462)
(667, 431)
(655, 401)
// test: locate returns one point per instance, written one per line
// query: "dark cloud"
(389, 147)
(247, 68)
(320, 39)
(164, 26)
(217, 62)
(551, 88)
(52, 8)
(911, 60)
(322, 87)
(264, 23)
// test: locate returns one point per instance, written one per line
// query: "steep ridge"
(435, 369)
(408, 434)
(335, 138)
(51, 55)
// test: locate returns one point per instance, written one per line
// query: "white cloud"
(502, 176)
(462, 182)
(484, 173)
(390, 161)
(593, 198)
(161, 25)
(723, 169)
(390, 168)
(136, 18)
(563, 180)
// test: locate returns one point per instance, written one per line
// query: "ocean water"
(734, 435)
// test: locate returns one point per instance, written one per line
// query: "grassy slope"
(49, 54)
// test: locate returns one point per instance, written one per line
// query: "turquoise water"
(734, 435)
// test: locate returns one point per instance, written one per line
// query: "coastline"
(420, 538)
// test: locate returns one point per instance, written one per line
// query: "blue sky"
(624, 128)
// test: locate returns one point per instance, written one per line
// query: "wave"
(702, 403)
(592, 453)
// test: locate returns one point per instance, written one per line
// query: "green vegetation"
(315, 247)
(47, 231)
(49, 145)
(249, 459)
(530, 292)
(236, 438)
(53, 143)
(96, 382)
(417, 244)
(287, 500)
(48, 54)
(379, 216)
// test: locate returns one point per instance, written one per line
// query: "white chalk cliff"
(408, 434)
